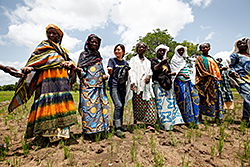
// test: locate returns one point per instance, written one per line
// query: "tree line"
(157, 37)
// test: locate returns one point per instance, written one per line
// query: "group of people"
(161, 90)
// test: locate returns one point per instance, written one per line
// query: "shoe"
(119, 133)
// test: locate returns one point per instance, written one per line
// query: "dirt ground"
(210, 144)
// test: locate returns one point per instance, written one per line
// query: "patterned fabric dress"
(208, 87)
(167, 108)
(93, 105)
(226, 91)
(186, 95)
(241, 64)
(53, 106)
(168, 111)
(143, 100)
(139, 108)
(187, 98)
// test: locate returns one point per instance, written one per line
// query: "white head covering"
(236, 49)
(201, 44)
(161, 46)
(177, 63)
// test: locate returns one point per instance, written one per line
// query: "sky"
(23, 22)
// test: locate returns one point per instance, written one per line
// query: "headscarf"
(178, 62)
(161, 46)
(234, 81)
(236, 49)
(58, 30)
(205, 61)
(89, 56)
(57, 46)
(202, 44)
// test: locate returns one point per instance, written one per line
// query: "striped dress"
(53, 110)
(53, 105)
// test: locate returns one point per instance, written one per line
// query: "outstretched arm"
(11, 70)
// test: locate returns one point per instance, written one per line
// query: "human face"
(242, 45)
(119, 52)
(205, 49)
(180, 51)
(141, 49)
(160, 53)
(94, 44)
(53, 35)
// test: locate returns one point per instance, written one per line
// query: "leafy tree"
(158, 37)
(8, 87)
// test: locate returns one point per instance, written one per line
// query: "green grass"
(6, 95)
(75, 96)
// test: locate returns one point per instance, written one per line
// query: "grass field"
(6, 95)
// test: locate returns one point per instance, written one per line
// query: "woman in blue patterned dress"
(240, 72)
(93, 105)
(167, 108)
(186, 95)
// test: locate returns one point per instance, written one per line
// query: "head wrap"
(88, 56)
(58, 30)
(177, 62)
(202, 44)
(87, 44)
(236, 49)
(161, 46)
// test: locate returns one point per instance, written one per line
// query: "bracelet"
(4, 69)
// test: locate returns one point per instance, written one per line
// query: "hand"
(185, 76)
(27, 70)
(105, 77)
(164, 61)
(224, 68)
(236, 75)
(78, 69)
(110, 70)
(147, 79)
(14, 72)
(67, 64)
(172, 73)
(132, 87)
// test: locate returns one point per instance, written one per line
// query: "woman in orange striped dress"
(53, 110)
